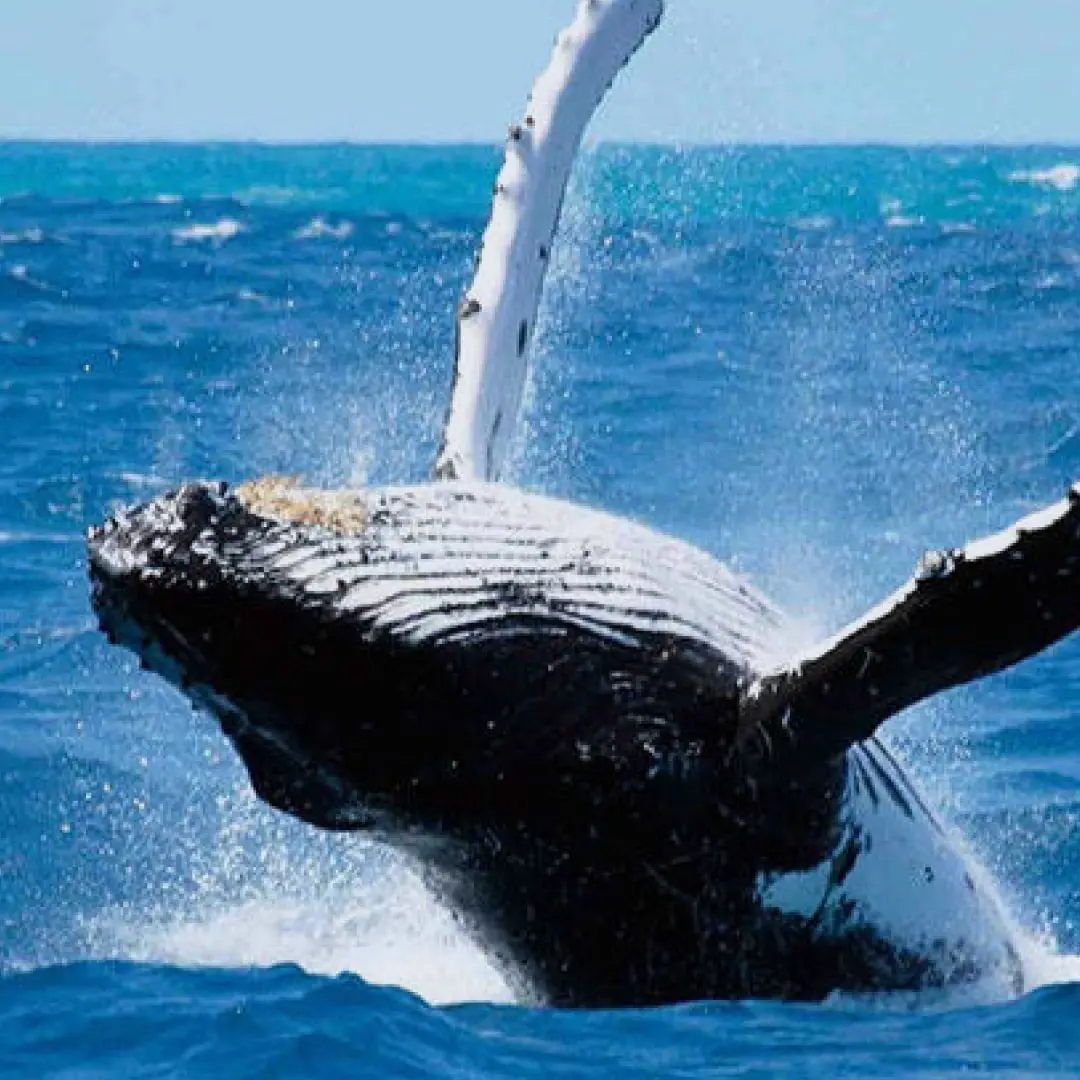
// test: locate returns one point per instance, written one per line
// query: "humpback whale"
(593, 738)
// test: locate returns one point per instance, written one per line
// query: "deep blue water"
(816, 363)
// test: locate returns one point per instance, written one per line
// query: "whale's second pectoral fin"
(965, 614)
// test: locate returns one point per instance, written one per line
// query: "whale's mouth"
(140, 559)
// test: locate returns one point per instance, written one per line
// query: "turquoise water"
(814, 362)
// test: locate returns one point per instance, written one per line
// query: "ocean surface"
(816, 363)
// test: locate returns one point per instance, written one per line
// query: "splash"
(872, 453)
(390, 933)
(544, 452)
(1045, 965)
(265, 891)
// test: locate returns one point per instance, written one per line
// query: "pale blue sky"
(459, 70)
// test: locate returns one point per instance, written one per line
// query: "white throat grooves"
(497, 315)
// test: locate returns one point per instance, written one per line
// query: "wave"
(263, 891)
(30, 537)
(20, 275)
(269, 195)
(1063, 177)
(319, 228)
(219, 233)
(813, 223)
(251, 296)
(32, 235)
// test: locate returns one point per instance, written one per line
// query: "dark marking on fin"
(491, 440)
(867, 784)
(845, 862)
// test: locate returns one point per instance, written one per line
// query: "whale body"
(599, 743)
(583, 730)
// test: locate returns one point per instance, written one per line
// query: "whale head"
(207, 588)
(246, 598)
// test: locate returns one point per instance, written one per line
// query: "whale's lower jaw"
(281, 773)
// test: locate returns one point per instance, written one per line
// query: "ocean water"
(816, 363)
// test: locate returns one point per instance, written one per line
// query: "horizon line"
(481, 144)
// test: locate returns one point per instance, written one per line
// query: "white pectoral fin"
(497, 316)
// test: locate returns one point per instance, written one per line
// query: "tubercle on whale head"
(153, 535)
(184, 529)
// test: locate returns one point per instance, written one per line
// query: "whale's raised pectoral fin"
(497, 315)
(965, 614)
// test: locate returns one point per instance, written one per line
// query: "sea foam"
(219, 233)
(1063, 177)
(319, 228)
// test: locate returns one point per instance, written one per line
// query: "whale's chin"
(161, 591)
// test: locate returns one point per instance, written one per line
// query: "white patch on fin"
(498, 312)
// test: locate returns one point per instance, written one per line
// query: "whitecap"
(1048, 281)
(148, 481)
(219, 233)
(268, 195)
(33, 235)
(899, 221)
(28, 537)
(21, 272)
(319, 228)
(813, 223)
(250, 296)
(1062, 177)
